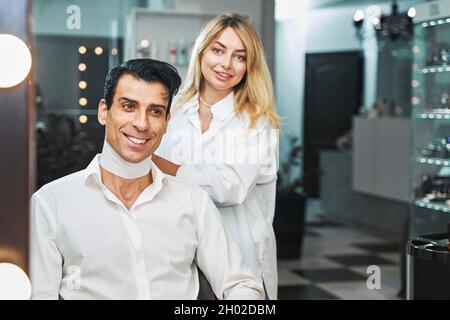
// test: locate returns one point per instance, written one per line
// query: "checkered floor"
(334, 265)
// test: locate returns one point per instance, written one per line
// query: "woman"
(223, 137)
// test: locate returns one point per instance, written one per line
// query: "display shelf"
(434, 69)
(423, 203)
(433, 161)
(435, 22)
(430, 88)
(434, 115)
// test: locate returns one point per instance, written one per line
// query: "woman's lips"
(223, 76)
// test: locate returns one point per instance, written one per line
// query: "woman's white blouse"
(237, 166)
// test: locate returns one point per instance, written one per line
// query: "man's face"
(137, 120)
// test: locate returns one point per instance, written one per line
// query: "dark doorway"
(333, 94)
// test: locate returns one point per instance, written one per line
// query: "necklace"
(206, 104)
(209, 106)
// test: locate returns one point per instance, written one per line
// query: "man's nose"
(141, 121)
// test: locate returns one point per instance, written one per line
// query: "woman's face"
(223, 63)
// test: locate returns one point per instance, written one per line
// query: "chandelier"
(372, 23)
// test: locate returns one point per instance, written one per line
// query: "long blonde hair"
(254, 94)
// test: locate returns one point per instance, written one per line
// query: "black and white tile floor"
(334, 265)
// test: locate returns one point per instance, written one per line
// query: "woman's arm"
(252, 160)
(165, 166)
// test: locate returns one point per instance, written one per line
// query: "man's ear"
(102, 112)
(167, 122)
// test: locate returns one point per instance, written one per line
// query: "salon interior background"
(289, 30)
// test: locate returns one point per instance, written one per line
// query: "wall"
(57, 45)
(96, 16)
(309, 30)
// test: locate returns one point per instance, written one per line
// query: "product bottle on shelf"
(172, 57)
(182, 52)
(154, 50)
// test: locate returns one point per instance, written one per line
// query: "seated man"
(121, 229)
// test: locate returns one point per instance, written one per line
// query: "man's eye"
(128, 106)
(157, 111)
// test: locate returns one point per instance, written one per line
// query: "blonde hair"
(254, 94)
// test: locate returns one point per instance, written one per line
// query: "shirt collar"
(220, 110)
(93, 172)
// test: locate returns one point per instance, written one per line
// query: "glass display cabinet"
(430, 210)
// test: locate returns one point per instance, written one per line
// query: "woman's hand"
(165, 166)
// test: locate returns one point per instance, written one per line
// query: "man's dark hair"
(144, 69)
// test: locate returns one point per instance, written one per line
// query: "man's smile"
(135, 140)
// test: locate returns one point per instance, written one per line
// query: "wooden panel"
(16, 145)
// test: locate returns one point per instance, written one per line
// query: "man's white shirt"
(85, 244)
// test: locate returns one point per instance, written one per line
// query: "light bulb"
(82, 50)
(82, 85)
(14, 283)
(359, 15)
(15, 61)
(82, 67)
(98, 51)
(83, 101)
(83, 119)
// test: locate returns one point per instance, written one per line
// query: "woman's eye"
(241, 58)
(217, 50)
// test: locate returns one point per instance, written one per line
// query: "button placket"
(142, 282)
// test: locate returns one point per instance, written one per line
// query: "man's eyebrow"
(128, 100)
(155, 105)
(152, 105)
(224, 46)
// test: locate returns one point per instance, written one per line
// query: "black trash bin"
(428, 267)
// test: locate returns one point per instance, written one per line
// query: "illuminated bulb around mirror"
(83, 119)
(98, 51)
(82, 85)
(15, 61)
(412, 12)
(82, 50)
(114, 51)
(14, 283)
(82, 67)
(83, 102)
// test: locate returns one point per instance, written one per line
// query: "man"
(121, 229)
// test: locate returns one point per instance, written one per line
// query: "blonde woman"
(223, 137)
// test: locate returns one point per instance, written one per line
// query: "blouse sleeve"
(218, 256)
(252, 160)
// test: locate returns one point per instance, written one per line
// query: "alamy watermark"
(374, 280)
(249, 148)
(72, 279)
(73, 21)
